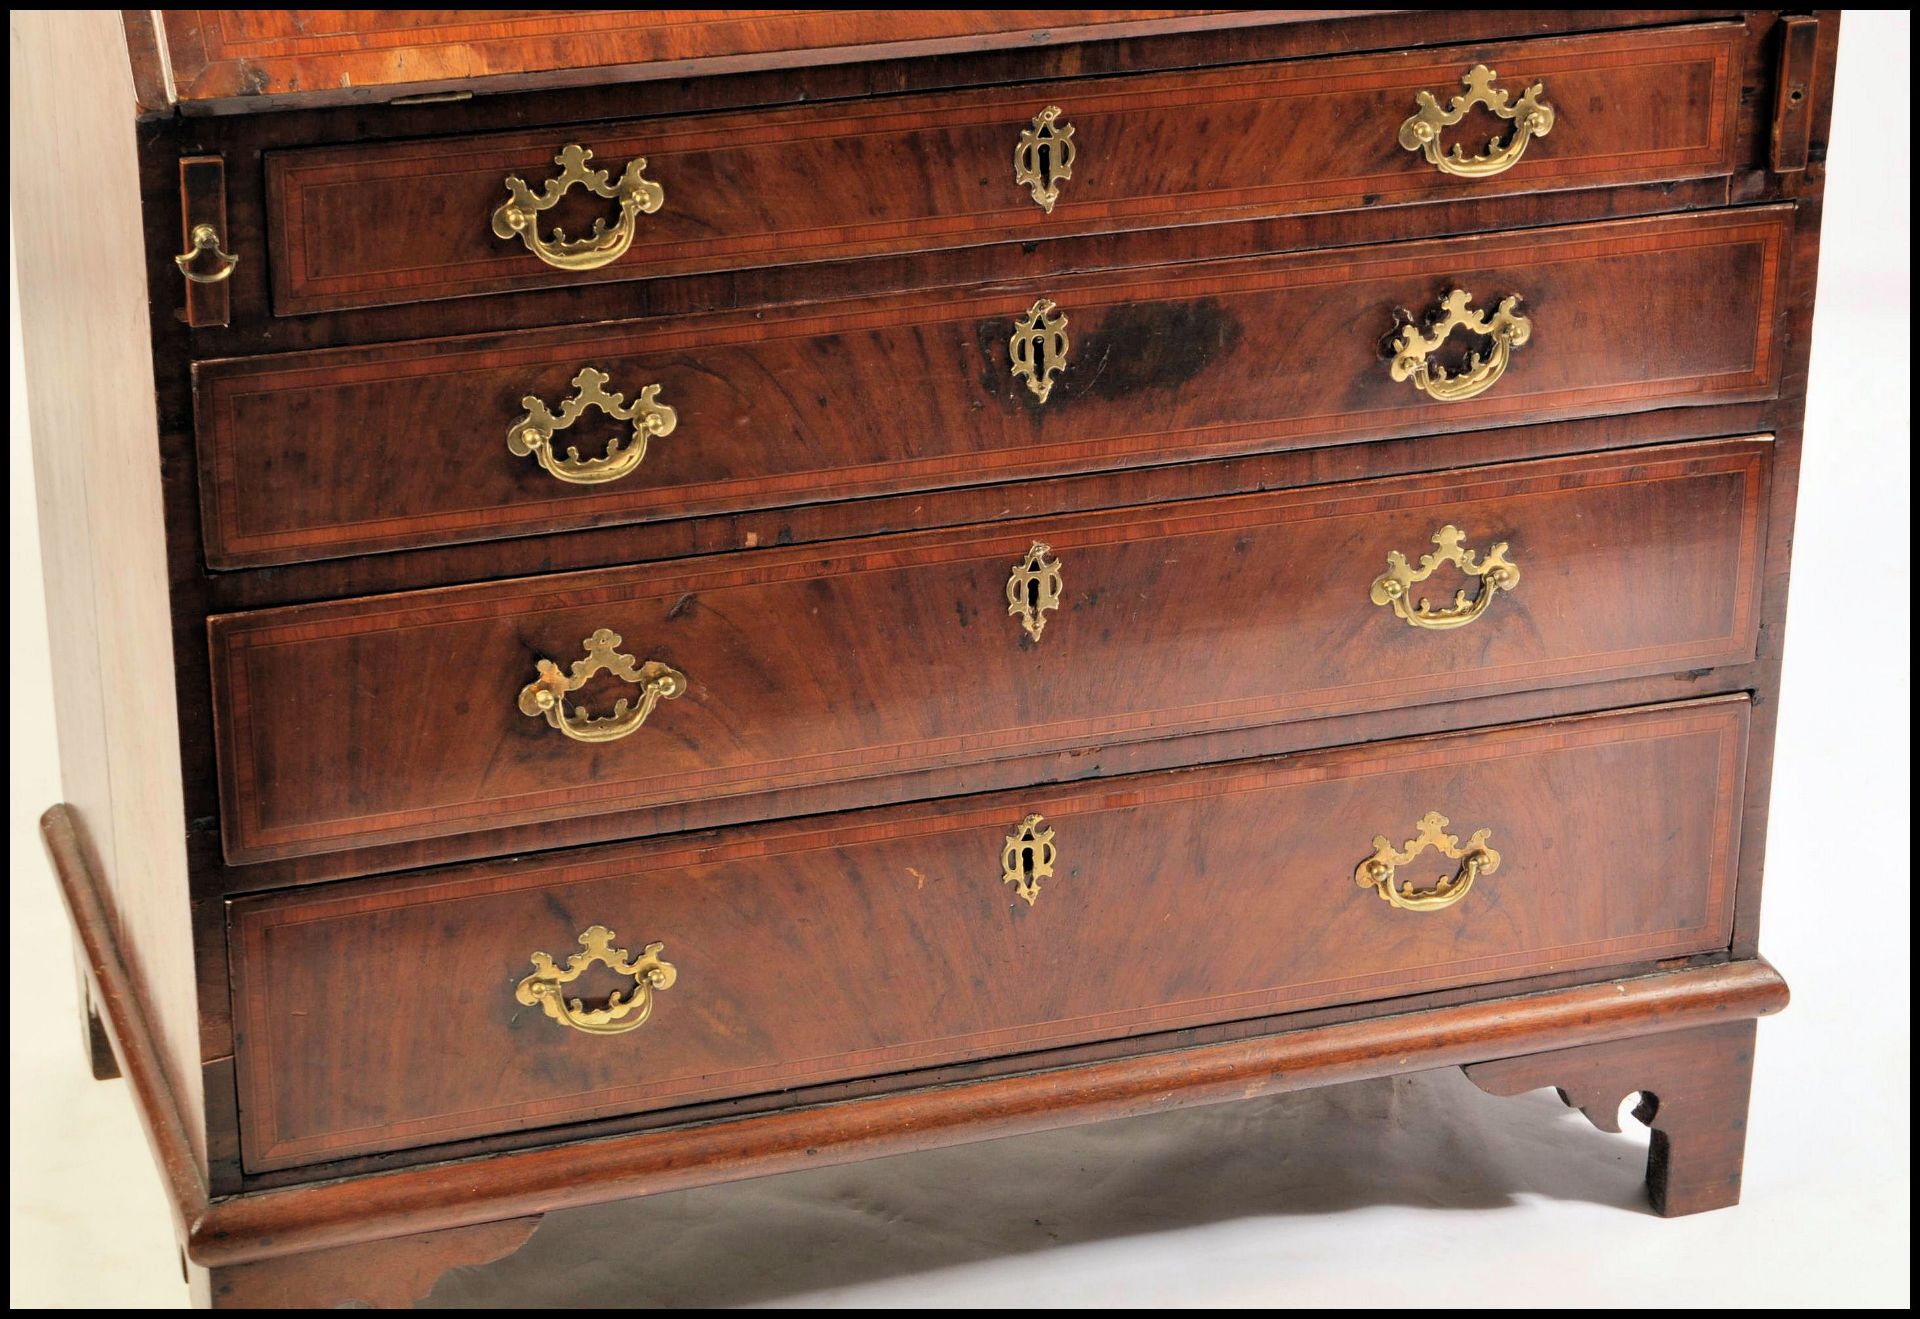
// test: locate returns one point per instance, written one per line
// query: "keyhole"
(1033, 594)
(1044, 158)
(1026, 866)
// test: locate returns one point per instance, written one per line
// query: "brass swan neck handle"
(545, 988)
(635, 195)
(1530, 116)
(546, 694)
(533, 435)
(1378, 872)
(1394, 587)
(1506, 328)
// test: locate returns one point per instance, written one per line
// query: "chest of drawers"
(646, 598)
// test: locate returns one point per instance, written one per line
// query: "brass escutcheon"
(1039, 347)
(519, 215)
(1395, 586)
(542, 989)
(1033, 589)
(1377, 871)
(1028, 857)
(1507, 328)
(1043, 158)
(532, 435)
(546, 695)
(1530, 116)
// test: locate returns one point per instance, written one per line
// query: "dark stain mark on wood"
(1149, 346)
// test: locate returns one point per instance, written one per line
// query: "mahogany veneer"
(328, 453)
(914, 952)
(760, 188)
(219, 59)
(1174, 620)
(299, 582)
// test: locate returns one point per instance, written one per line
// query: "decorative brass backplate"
(542, 989)
(1028, 857)
(1506, 328)
(1044, 157)
(1395, 586)
(1377, 871)
(519, 214)
(1039, 347)
(205, 241)
(533, 434)
(1530, 116)
(1033, 591)
(546, 694)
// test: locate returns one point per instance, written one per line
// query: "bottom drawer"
(376, 1015)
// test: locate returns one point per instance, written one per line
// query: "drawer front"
(807, 952)
(321, 454)
(415, 715)
(360, 226)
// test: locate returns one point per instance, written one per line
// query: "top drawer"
(362, 226)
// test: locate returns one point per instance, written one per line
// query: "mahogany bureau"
(644, 598)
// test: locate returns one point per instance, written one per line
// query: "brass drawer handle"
(1043, 158)
(204, 240)
(532, 435)
(519, 214)
(543, 989)
(546, 695)
(1395, 586)
(1530, 116)
(1507, 328)
(1476, 858)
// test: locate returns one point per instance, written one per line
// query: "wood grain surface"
(321, 454)
(233, 59)
(159, 962)
(1194, 1067)
(247, 141)
(384, 1016)
(570, 1174)
(392, 1274)
(395, 718)
(958, 506)
(90, 405)
(1693, 1088)
(358, 226)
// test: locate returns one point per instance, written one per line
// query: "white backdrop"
(1349, 1196)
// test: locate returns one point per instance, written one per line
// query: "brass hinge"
(434, 98)
(1793, 92)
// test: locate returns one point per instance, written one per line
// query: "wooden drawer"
(360, 226)
(321, 454)
(397, 718)
(812, 951)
